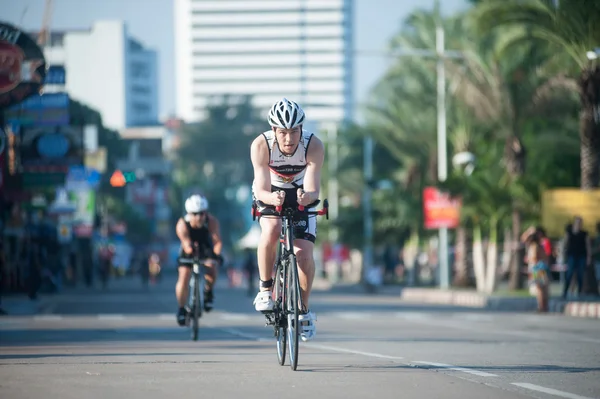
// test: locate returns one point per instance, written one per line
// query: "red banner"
(440, 210)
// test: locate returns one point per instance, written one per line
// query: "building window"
(139, 70)
(140, 90)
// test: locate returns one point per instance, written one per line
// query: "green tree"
(215, 155)
(505, 93)
(570, 28)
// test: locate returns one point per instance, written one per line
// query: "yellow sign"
(560, 206)
(96, 160)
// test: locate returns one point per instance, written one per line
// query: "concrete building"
(109, 71)
(300, 49)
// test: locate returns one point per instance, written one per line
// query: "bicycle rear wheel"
(280, 318)
(293, 294)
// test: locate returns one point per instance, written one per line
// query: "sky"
(375, 21)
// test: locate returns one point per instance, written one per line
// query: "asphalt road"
(124, 343)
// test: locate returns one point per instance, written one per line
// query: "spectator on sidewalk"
(537, 266)
(547, 245)
(596, 252)
(33, 246)
(578, 252)
(2, 270)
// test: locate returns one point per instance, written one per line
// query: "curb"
(582, 309)
(431, 296)
(585, 309)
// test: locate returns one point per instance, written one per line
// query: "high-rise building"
(110, 71)
(300, 49)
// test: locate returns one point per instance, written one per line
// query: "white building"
(300, 49)
(109, 71)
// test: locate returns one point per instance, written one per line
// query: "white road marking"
(234, 316)
(242, 334)
(413, 316)
(352, 315)
(110, 317)
(549, 391)
(236, 332)
(48, 317)
(354, 352)
(455, 368)
(473, 317)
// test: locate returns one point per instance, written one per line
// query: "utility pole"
(440, 54)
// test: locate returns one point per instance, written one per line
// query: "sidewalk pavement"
(578, 307)
(588, 307)
(21, 305)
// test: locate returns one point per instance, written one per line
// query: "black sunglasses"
(199, 213)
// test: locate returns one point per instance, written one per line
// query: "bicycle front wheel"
(280, 314)
(196, 309)
(293, 295)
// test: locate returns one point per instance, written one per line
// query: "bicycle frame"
(286, 245)
(286, 237)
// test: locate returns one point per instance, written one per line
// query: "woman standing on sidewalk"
(537, 262)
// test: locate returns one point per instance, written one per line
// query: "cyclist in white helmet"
(287, 162)
(197, 227)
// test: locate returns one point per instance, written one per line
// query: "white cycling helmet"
(195, 204)
(286, 114)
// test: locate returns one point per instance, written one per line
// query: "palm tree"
(462, 140)
(504, 92)
(403, 120)
(571, 29)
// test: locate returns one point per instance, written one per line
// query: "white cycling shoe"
(307, 326)
(263, 301)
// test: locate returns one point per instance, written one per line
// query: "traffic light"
(117, 179)
(120, 179)
(129, 177)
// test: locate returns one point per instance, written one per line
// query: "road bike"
(286, 286)
(195, 305)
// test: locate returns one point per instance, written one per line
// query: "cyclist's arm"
(215, 234)
(259, 154)
(184, 237)
(314, 163)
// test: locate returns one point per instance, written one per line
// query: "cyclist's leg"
(305, 231)
(266, 253)
(182, 291)
(304, 249)
(305, 234)
(210, 277)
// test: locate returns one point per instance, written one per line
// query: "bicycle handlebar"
(194, 256)
(189, 261)
(279, 209)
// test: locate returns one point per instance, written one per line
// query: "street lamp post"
(367, 207)
(442, 151)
